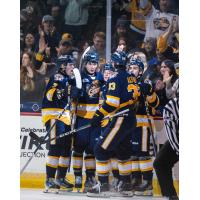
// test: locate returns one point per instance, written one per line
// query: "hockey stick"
(79, 86)
(40, 140)
(34, 136)
(150, 125)
(43, 141)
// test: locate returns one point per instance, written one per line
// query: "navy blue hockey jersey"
(122, 92)
(51, 105)
(88, 101)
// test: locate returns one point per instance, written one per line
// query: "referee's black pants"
(163, 164)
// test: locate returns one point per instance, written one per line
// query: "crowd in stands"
(145, 29)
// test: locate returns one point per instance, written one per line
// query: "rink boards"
(34, 175)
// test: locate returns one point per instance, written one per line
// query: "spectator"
(29, 43)
(58, 18)
(76, 17)
(153, 71)
(159, 88)
(148, 20)
(163, 84)
(137, 22)
(170, 78)
(98, 47)
(122, 45)
(152, 60)
(66, 47)
(83, 45)
(30, 17)
(43, 63)
(122, 30)
(50, 3)
(97, 18)
(51, 36)
(150, 49)
(119, 9)
(32, 84)
(26, 26)
(39, 7)
(169, 50)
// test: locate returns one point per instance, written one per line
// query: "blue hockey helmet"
(137, 62)
(63, 61)
(119, 59)
(91, 57)
(108, 66)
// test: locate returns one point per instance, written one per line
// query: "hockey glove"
(146, 88)
(75, 92)
(96, 120)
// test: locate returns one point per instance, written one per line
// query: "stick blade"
(36, 137)
(77, 78)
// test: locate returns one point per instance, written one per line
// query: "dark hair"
(170, 64)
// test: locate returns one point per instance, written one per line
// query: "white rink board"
(37, 165)
(27, 194)
(27, 145)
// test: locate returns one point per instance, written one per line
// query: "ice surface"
(37, 194)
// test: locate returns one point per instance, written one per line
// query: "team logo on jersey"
(161, 23)
(93, 91)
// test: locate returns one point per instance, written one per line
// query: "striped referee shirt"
(171, 121)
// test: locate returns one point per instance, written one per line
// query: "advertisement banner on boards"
(34, 123)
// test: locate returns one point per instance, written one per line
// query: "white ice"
(37, 194)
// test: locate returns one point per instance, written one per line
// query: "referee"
(169, 153)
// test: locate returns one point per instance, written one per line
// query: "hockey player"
(56, 97)
(88, 103)
(109, 72)
(142, 165)
(122, 94)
